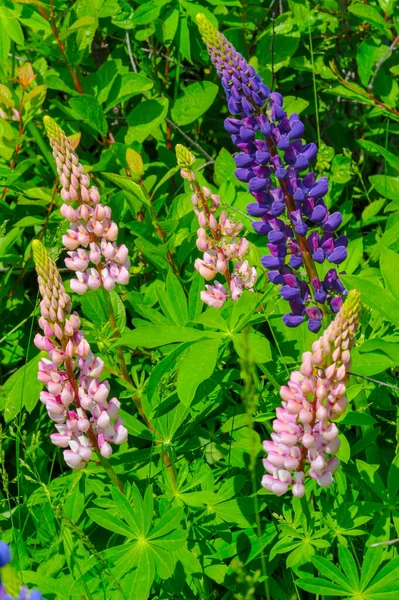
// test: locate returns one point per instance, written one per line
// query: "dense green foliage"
(134, 79)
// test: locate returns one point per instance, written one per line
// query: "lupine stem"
(125, 375)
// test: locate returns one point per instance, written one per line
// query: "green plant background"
(136, 75)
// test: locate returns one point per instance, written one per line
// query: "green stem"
(314, 80)
(106, 465)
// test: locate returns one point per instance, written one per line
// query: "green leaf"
(195, 304)
(152, 336)
(374, 296)
(224, 168)
(146, 117)
(316, 585)
(175, 299)
(148, 12)
(369, 14)
(22, 389)
(10, 24)
(328, 569)
(389, 237)
(368, 54)
(379, 151)
(109, 521)
(389, 265)
(128, 185)
(386, 185)
(255, 347)
(184, 38)
(196, 99)
(125, 510)
(348, 565)
(90, 111)
(126, 86)
(197, 364)
(344, 452)
(243, 310)
(355, 256)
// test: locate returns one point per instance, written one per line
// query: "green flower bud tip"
(185, 159)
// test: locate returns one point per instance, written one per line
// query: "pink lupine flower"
(214, 295)
(218, 239)
(305, 438)
(92, 234)
(76, 399)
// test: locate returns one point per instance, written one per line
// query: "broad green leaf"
(90, 111)
(146, 117)
(128, 185)
(386, 185)
(9, 23)
(22, 389)
(368, 54)
(151, 336)
(197, 98)
(369, 14)
(374, 296)
(175, 299)
(389, 265)
(195, 304)
(126, 86)
(254, 347)
(169, 521)
(197, 364)
(371, 563)
(378, 150)
(243, 310)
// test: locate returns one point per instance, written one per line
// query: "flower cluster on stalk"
(91, 239)
(219, 239)
(305, 437)
(11, 587)
(289, 204)
(76, 398)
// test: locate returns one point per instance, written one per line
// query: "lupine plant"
(199, 266)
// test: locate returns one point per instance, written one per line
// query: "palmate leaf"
(348, 565)
(328, 569)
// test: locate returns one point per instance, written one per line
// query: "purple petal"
(291, 320)
(297, 129)
(338, 255)
(333, 222)
(272, 262)
(318, 213)
(318, 256)
(275, 277)
(257, 184)
(314, 325)
(262, 157)
(275, 237)
(232, 125)
(289, 293)
(336, 304)
(243, 160)
(260, 227)
(244, 174)
(295, 262)
(320, 189)
(256, 210)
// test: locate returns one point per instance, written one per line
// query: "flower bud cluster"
(76, 398)
(219, 240)
(290, 205)
(305, 438)
(91, 238)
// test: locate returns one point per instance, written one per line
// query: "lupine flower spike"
(91, 238)
(289, 203)
(76, 399)
(224, 251)
(11, 587)
(305, 438)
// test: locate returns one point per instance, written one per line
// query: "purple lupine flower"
(271, 160)
(91, 239)
(305, 438)
(76, 399)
